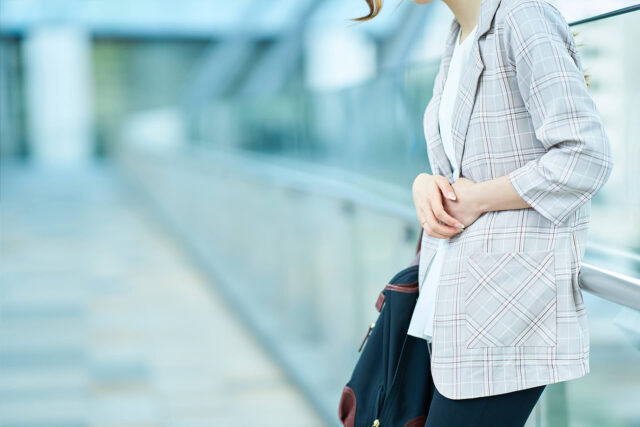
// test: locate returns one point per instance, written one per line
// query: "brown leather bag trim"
(417, 421)
(347, 407)
(401, 287)
(380, 301)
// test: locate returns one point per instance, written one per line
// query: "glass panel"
(573, 10)
(611, 59)
(373, 130)
(608, 395)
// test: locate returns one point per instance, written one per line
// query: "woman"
(517, 150)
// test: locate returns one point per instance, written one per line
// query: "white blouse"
(421, 325)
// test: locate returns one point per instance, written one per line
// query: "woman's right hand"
(428, 191)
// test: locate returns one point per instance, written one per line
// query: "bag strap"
(381, 296)
(420, 240)
(416, 259)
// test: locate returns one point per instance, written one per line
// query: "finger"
(444, 228)
(435, 228)
(429, 230)
(446, 188)
(442, 214)
(427, 223)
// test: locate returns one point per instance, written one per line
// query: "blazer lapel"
(469, 78)
(465, 97)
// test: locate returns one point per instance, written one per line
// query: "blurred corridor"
(105, 322)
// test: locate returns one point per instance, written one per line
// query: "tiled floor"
(105, 322)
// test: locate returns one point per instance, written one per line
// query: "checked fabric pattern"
(500, 299)
(509, 313)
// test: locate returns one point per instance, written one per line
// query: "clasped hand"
(445, 209)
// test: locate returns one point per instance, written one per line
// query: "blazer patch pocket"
(510, 299)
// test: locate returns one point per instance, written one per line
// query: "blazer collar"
(465, 98)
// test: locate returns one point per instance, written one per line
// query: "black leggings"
(503, 410)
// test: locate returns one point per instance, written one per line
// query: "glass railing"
(610, 58)
(608, 395)
(300, 206)
(372, 130)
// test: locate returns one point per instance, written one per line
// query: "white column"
(58, 95)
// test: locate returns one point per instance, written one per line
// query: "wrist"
(480, 201)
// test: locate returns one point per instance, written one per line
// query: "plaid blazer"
(509, 311)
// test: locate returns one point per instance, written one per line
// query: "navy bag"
(391, 383)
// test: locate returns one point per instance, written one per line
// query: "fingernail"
(460, 225)
(452, 196)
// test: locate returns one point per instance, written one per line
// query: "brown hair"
(374, 9)
(376, 5)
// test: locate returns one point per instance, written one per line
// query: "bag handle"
(420, 240)
(416, 259)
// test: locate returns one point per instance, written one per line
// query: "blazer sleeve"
(578, 159)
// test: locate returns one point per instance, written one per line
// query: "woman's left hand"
(465, 208)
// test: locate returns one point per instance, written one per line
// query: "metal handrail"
(609, 285)
(606, 15)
